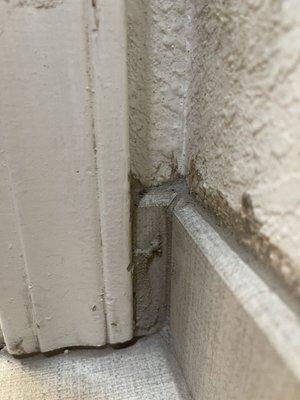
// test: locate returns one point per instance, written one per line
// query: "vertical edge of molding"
(1, 337)
(226, 321)
(108, 47)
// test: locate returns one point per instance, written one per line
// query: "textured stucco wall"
(214, 93)
(157, 64)
(243, 123)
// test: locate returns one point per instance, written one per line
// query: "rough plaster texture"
(157, 64)
(234, 336)
(214, 93)
(145, 371)
(243, 144)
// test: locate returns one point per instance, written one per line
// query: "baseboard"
(234, 334)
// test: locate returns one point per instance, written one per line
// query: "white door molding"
(64, 230)
(108, 52)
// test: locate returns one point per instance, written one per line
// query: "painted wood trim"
(234, 336)
(51, 282)
(110, 104)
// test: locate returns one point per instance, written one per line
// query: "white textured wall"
(243, 144)
(214, 93)
(157, 64)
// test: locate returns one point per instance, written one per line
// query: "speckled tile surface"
(147, 370)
